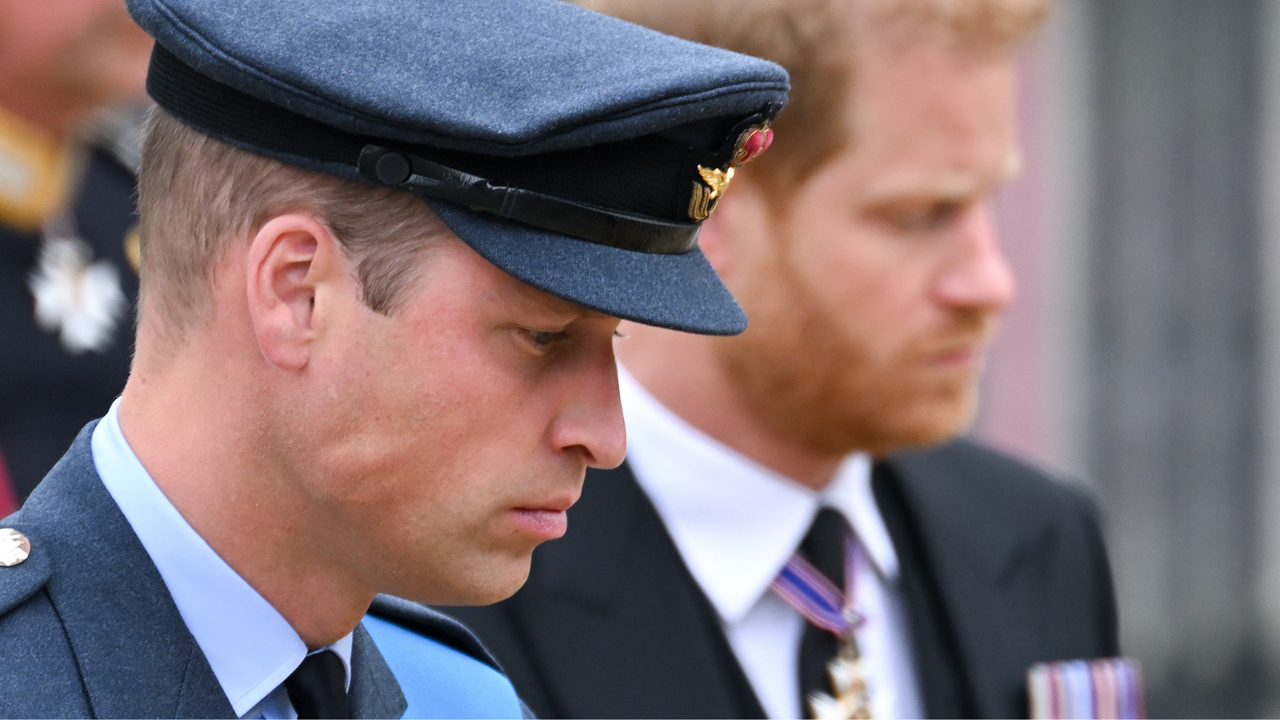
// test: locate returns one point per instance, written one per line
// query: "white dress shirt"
(737, 523)
(250, 646)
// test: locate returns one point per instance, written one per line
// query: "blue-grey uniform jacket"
(88, 629)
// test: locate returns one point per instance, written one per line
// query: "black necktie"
(824, 546)
(317, 688)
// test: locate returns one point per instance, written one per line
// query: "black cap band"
(244, 121)
(432, 180)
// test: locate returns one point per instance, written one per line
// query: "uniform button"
(14, 547)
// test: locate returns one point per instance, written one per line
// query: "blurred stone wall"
(1148, 233)
(1175, 309)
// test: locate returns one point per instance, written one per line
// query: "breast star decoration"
(78, 299)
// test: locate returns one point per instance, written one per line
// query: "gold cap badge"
(700, 204)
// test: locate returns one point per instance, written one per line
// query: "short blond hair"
(198, 195)
(814, 40)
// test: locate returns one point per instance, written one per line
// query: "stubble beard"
(802, 375)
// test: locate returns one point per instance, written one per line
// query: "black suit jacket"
(1001, 568)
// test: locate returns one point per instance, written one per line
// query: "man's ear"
(289, 259)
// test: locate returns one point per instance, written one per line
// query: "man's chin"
(926, 425)
(500, 582)
(499, 592)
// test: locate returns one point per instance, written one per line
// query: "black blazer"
(1001, 568)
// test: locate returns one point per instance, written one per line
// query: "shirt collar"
(249, 645)
(735, 522)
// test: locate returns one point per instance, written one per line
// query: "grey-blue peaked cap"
(574, 151)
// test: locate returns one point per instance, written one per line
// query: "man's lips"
(541, 524)
(958, 357)
(544, 520)
(958, 351)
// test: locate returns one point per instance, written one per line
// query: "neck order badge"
(817, 599)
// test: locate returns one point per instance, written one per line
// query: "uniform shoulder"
(441, 667)
(38, 539)
(25, 565)
(31, 633)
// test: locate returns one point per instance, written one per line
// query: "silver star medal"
(849, 682)
(76, 298)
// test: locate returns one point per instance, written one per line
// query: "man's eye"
(923, 218)
(544, 339)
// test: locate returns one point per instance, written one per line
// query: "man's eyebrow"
(954, 188)
(957, 187)
(552, 307)
(545, 307)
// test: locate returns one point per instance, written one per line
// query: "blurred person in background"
(797, 529)
(71, 81)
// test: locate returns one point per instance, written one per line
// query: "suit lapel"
(617, 621)
(944, 686)
(374, 690)
(135, 654)
(968, 572)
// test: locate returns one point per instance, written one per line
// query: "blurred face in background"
(873, 289)
(61, 58)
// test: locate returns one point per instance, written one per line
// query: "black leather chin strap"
(604, 227)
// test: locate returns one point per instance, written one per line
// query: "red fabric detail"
(8, 498)
(756, 141)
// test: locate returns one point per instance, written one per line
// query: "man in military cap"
(385, 247)
(778, 543)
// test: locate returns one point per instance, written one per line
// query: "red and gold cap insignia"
(751, 143)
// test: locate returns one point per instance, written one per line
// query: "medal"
(1098, 688)
(850, 698)
(78, 299)
(812, 595)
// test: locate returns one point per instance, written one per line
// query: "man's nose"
(975, 274)
(590, 424)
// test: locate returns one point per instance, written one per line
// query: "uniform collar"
(734, 521)
(249, 645)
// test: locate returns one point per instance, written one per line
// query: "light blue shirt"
(440, 682)
(250, 647)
